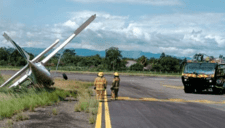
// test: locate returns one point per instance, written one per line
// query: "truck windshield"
(200, 68)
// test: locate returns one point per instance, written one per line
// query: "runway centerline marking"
(107, 116)
(171, 100)
(99, 116)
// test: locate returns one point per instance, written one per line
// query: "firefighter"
(100, 84)
(115, 86)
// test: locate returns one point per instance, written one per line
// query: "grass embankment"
(86, 70)
(15, 101)
(86, 102)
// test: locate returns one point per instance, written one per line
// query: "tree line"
(113, 61)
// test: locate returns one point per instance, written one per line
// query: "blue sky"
(176, 27)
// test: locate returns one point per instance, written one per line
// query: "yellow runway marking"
(107, 116)
(171, 100)
(175, 87)
(99, 116)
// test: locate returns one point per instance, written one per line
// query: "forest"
(113, 61)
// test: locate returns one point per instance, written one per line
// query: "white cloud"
(70, 23)
(174, 34)
(151, 2)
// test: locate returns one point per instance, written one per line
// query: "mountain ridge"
(88, 52)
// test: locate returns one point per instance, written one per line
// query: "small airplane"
(37, 72)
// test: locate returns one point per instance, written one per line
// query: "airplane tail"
(19, 49)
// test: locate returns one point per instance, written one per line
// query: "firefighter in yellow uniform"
(115, 86)
(100, 84)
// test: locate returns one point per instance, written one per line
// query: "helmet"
(116, 74)
(100, 74)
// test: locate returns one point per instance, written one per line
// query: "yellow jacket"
(116, 83)
(100, 83)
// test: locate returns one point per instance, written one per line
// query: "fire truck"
(204, 74)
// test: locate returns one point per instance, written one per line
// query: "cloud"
(175, 34)
(150, 2)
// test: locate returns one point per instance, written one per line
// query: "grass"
(55, 111)
(21, 116)
(92, 119)
(29, 101)
(88, 104)
(87, 70)
(9, 123)
(15, 100)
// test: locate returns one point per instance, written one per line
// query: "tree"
(182, 63)
(142, 60)
(136, 67)
(113, 58)
(162, 55)
(16, 59)
(152, 60)
(3, 56)
(169, 64)
(70, 52)
(68, 57)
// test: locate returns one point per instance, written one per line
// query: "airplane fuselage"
(39, 74)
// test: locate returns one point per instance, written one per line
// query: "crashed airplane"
(37, 72)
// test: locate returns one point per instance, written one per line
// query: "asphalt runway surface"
(157, 102)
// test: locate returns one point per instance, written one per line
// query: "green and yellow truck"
(198, 76)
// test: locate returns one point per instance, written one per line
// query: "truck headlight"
(210, 81)
(218, 81)
(185, 79)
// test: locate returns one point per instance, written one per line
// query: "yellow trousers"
(114, 93)
(100, 94)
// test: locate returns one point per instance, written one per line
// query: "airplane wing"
(15, 75)
(21, 80)
(83, 26)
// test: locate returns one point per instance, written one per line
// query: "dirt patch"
(44, 117)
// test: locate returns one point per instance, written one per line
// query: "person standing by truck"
(100, 84)
(115, 86)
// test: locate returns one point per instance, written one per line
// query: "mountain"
(87, 52)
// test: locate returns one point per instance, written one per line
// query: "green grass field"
(86, 70)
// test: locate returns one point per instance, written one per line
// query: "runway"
(156, 102)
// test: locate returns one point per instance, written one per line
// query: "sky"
(176, 27)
